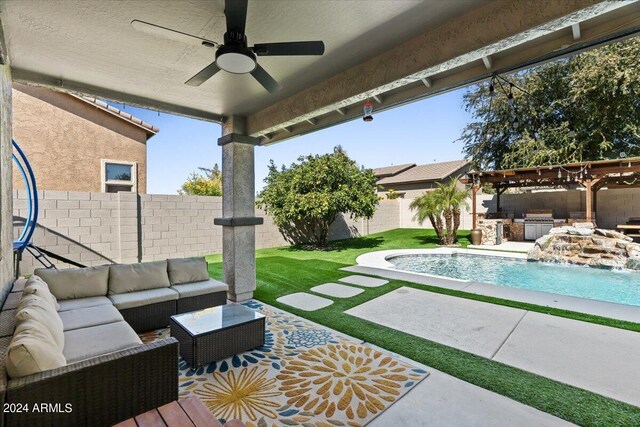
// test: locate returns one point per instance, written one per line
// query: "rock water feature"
(585, 245)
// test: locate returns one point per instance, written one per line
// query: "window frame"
(103, 174)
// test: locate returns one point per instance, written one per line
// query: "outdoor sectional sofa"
(92, 368)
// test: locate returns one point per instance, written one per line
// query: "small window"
(118, 176)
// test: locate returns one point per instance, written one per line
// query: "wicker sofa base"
(150, 316)
(199, 302)
(100, 391)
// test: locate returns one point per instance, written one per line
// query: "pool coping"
(376, 264)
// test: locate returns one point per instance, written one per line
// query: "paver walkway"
(365, 281)
(337, 290)
(443, 400)
(594, 357)
(305, 301)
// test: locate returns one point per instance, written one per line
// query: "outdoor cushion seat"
(74, 304)
(138, 277)
(32, 349)
(138, 299)
(187, 270)
(85, 343)
(200, 288)
(76, 282)
(89, 316)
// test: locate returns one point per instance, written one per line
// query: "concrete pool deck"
(598, 358)
(444, 400)
(376, 264)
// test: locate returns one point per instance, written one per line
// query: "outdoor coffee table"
(217, 332)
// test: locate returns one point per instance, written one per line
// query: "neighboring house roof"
(391, 170)
(421, 173)
(147, 127)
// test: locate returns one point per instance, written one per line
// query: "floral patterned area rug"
(305, 375)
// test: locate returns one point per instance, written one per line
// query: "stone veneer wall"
(94, 228)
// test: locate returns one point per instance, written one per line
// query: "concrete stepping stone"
(305, 301)
(337, 290)
(367, 282)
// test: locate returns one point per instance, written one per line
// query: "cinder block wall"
(485, 203)
(97, 228)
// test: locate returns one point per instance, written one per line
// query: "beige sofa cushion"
(32, 350)
(200, 288)
(85, 343)
(35, 285)
(138, 277)
(90, 316)
(74, 304)
(140, 298)
(187, 270)
(76, 282)
(39, 310)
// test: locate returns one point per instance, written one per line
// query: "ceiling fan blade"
(265, 79)
(236, 14)
(205, 74)
(289, 48)
(168, 33)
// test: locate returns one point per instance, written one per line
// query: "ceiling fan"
(234, 55)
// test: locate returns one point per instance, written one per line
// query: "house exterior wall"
(65, 139)
(411, 191)
(417, 189)
(6, 199)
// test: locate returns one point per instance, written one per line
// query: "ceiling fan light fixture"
(235, 60)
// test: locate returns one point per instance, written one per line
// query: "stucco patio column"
(238, 209)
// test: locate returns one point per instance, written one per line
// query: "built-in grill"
(537, 223)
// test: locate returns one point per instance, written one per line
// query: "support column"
(474, 212)
(238, 209)
(588, 200)
(590, 196)
(498, 196)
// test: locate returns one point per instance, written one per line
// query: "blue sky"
(421, 132)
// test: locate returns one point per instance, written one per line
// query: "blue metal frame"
(32, 198)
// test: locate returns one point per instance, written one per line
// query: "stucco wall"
(6, 200)
(65, 138)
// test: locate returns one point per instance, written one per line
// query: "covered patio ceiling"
(389, 52)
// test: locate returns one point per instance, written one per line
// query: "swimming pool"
(620, 286)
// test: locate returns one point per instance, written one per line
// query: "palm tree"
(452, 198)
(428, 206)
(443, 202)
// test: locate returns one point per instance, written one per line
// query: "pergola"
(592, 176)
(387, 52)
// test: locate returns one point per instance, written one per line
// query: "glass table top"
(216, 318)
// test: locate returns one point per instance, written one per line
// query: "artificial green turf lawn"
(281, 271)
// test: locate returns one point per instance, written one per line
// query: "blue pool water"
(621, 286)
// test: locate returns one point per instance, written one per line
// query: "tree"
(443, 208)
(305, 198)
(586, 107)
(206, 183)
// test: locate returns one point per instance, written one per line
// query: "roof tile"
(428, 172)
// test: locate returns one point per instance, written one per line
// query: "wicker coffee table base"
(217, 345)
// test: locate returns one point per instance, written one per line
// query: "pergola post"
(590, 196)
(499, 193)
(474, 211)
(238, 209)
